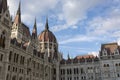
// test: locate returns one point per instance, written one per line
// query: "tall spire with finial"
(18, 15)
(34, 32)
(46, 25)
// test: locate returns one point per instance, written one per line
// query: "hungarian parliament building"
(29, 56)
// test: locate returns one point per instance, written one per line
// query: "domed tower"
(48, 43)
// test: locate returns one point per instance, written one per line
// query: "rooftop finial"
(46, 25)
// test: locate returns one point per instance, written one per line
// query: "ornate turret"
(34, 31)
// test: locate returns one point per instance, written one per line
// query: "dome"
(47, 35)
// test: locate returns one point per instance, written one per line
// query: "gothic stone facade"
(25, 56)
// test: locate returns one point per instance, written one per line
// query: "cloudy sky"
(81, 26)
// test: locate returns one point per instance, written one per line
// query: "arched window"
(17, 56)
(7, 77)
(10, 56)
(2, 39)
(116, 64)
(34, 52)
(104, 65)
(14, 57)
(9, 68)
(3, 45)
(104, 52)
(20, 78)
(0, 70)
(27, 79)
(107, 65)
(14, 78)
(116, 52)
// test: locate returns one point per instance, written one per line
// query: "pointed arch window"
(116, 52)
(14, 78)
(7, 77)
(34, 52)
(104, 52)
(20, 78)
(2, 39)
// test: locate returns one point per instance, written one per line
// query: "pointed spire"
(18, 15)
(3, 5)
(19, 9)
(46, 25)
(34, 32)
(68, 56)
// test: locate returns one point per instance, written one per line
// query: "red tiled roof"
(85, 57)
(47, 35)
(110, 46)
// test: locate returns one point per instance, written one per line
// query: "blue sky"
(81, 26)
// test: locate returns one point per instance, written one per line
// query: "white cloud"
(107, 26)
(59, 27)
(94, 53)
(75, 10)
(74, 27)
(76, 48)
(100, 29)
(80, 38)
(72, 12)
(118, 41)
(101, 25)
(31, 8)
(13, 6)
(116, 34)
(60, 17)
